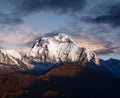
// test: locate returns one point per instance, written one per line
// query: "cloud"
(15, 10)
(19, 40)
(99, 38)
(100, 47)
(90, 32)
(108, 48)
(9, 20)
(111, 16)
(60, 6)
(107, 51)
(95, 28)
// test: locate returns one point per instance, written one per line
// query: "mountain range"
(49, 52)
(57, 67)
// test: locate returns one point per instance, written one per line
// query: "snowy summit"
(61, 48)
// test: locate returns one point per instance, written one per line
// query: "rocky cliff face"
(60, 49)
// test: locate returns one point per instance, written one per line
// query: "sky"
(94, 24)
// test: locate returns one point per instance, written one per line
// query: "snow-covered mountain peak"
(62, 37)
(60, 48)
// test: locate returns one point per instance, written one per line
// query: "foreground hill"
(65, 81)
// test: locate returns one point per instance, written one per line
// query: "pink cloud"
(17, 39)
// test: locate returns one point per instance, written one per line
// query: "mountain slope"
(11, 61)
(112, 66)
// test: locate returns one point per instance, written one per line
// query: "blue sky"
(94, 24)
(45, 22)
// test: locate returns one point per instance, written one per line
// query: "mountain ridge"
(50, 52)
